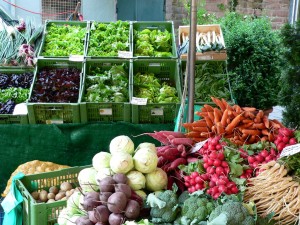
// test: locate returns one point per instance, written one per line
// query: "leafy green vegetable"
(108, 85)
(147, 85)
(64, 40)
(107, 39)
(18, 95)
(156, 43)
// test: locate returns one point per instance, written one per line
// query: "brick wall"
(276, 10)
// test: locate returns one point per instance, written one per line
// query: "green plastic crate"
(90, 33)
(105, 112)
(83, 24)
(9, 118)
(51, 112)
(154, 25)
(166, 70)
(35, 213)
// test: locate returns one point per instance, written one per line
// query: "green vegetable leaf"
(153, 201)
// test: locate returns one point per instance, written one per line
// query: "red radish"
(183, 141)
(285, 139)
(264, 153)
(280, 146)
(174, 165)
(293, 141)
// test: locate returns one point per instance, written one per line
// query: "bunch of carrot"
(241, 125)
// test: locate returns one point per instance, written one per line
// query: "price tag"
(105, 112)
(76, 58)
(55, 121)
(125, 54)
(198, 146)
(290, 150)
(139, 101)
(20, 109)
(9, 202)
(157, 112)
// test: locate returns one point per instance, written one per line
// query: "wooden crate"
(209, 55)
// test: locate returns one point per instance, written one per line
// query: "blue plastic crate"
(1, 213)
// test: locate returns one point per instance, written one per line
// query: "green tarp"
(68, 144)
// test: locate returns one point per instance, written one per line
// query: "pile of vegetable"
(107, 39)
(54, 193)
(64, 40)
(107, 85)
(14, 89)
(147, 85)
(242, 125)
(152, 42)
(60, 85)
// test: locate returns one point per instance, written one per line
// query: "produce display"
(64, 40)
(155, 43)
(14, 89)
(147, 85)
(107, 39)
(107, 85)
(60, 85)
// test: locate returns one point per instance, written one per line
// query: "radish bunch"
(216, 179)
(262, 157)
(284, 138)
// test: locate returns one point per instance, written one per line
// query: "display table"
(68, 144)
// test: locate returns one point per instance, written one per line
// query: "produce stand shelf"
(105, 111)
(35, 213)
(51, 112)
(166, 70)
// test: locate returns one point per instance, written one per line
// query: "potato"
(50, 200)
(53, 190)
(35, 195)
(66, 186)
(69, 193)
(59, 196)
(51, 195)
(43, 196)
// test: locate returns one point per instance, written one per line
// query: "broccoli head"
(234, 212)
(197, 208)
(163, 206)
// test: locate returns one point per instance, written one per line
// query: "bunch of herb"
(147, 85)
(64, 40)
(156, 43)
(107, 39)
(107, 85)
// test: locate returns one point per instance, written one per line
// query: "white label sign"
(157, 112)
(139, 101)
(198, 146)
(55, 121)
(76, 58)
(125, 54)
(290, 150)
(105, 112)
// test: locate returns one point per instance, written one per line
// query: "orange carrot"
(206, 134)
(220, 128)
(265, 132)
(202, 114)
(201, 129)
(249, 115)
(251, 132)
(199, 139)
(193, 134)
(249, 109)
(217, 115)
(247, 121)
(259, 126)
(266, 121)
(199, 123)
(233, 123)
(246, 125)
(211, 116)
(208, 121)
(224, 117)
(252, 139)
(219, 103)
(208, 108)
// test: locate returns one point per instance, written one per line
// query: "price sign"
(55, 121)
(125, 54)
(198, 146)
(139, 101)
(157, 112)
(290, 150)
(76, 58)
(105, 112)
